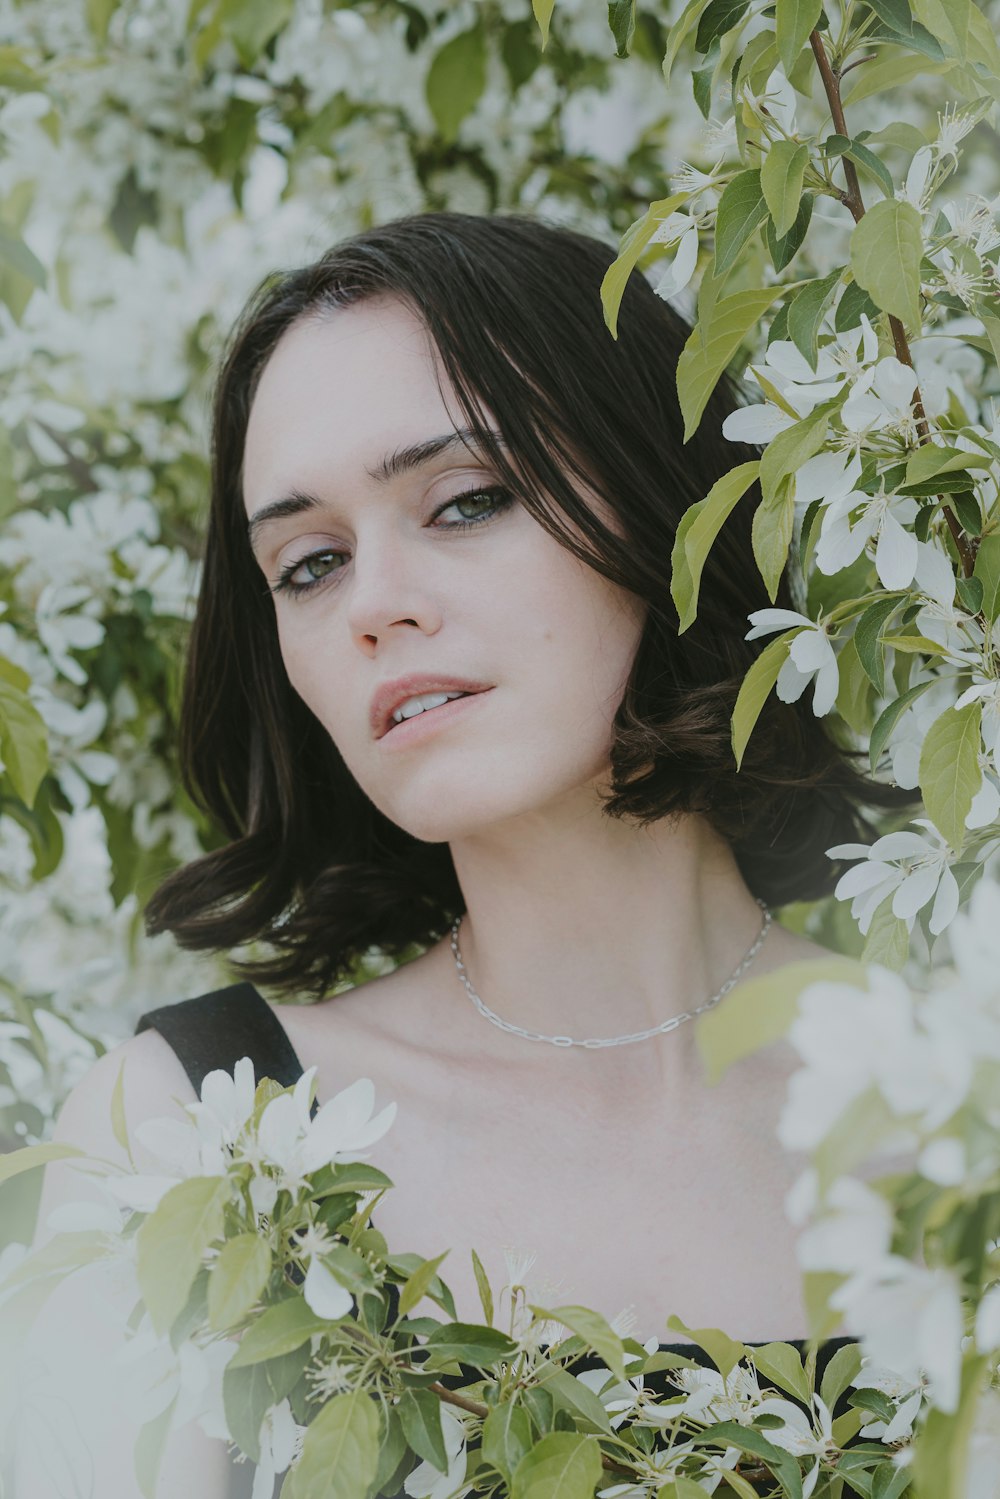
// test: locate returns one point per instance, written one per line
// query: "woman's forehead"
(343, 390)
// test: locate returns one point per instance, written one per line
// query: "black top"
(215, 1030)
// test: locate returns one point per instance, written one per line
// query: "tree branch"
(854, 201)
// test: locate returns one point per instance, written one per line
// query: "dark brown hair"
(311, 867)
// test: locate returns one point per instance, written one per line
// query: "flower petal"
(324, 1294)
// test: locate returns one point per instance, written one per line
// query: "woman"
(436, 472)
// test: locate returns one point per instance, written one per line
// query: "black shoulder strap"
(215, 1030)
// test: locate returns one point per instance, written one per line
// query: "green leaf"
(483, 1286)
(854, 688)
(711, 347)
(892, 70)
(682, 28)
(783, 249)
(723, 1350)
(886, 250)
(118, 1124)
(897, 17)
(888, 719)
(347, 1176)
(250, 24)
(279, 1330)
(741, 209)
(420, 1413)
(771, 535)
(987, 570)
(686, 1488)
(944, 1451)
(805, 313)
(633, 242)
(543, 15)
(950, 774)
(61, 1255)
(701, 83)
(15, 253)
(391, 1452)
(594, 1331)
(24, 742)
(563, 1465)
(340, 1450)
(621, 19)
(781, 1363)
(172, 1240)
(862, 156)
(720, 17)
(970, 593)
(759, 60)
(470, 1344)
(782, 1464)
(99, 13)
(456, 79)
(781, 182)
(237, 1280)
(794, 19)
(888, 940)
(991, 326)
(350, 1268)
(756, 688)
(931, 460)
(869, 639)
(150, 1445)
(28, 1157)
(699, 526)
(760, 1011)
(853, 302)
(249, 1393)
(417, 1284)
(839, 1372)
(949, 21)
(506, 1438)
(790, 449)
(409, 1264)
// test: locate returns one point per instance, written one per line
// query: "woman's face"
(400, 588)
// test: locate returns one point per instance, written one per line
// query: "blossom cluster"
(231, 1281)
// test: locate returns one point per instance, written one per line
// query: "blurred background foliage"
(157, 159)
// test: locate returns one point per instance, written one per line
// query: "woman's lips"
(421, 725)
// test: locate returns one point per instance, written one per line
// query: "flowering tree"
(149, 152)
(879, 472)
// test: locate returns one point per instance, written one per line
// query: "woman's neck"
(584, 926)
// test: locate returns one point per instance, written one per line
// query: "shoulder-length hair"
(310, 866)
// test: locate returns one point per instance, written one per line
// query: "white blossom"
(914, 867)
(907, 1395)
(281, 1440)
(910, 1318)
(810, 655)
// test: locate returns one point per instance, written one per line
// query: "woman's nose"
(389, 585)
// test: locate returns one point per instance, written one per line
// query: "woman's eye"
(318, 566)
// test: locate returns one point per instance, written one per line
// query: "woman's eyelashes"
(499, 500)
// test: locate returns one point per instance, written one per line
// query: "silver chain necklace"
(596, 1041)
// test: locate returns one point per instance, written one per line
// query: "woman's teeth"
(415, 705)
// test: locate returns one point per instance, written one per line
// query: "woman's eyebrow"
(401, 461)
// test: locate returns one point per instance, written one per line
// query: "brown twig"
(854, 201)
(868, 57)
